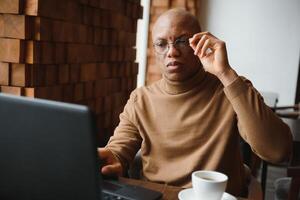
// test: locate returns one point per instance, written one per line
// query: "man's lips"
(174, 63)
(174, 66)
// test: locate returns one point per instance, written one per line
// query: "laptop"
(48, 151)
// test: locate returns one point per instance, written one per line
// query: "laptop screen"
(47, 150)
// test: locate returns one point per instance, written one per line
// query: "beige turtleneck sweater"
(195, 125)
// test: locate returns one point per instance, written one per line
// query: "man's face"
(177, 60)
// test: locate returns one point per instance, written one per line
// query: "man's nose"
(172, 51)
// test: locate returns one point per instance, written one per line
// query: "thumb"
(115, 169)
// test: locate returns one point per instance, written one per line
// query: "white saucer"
(188, 194)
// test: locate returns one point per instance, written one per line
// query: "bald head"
(177, 17)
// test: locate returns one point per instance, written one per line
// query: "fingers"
(202, 42)
(111, 165)
(103, 153)
(199, 45)
(205, 48)
(115, 169)
(107, 156)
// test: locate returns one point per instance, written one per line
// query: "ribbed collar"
(177, 87)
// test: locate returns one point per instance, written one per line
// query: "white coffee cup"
(209, 185)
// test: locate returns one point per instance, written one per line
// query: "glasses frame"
(176, 45)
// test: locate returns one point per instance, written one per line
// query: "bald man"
(192, 118)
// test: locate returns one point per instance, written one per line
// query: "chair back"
(294, 173)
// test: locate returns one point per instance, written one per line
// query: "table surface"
(169, 192)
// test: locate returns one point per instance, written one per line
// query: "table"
(169, 192)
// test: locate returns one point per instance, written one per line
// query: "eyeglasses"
(162, 47)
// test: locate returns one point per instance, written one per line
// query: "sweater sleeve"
(269, 137)
(126, 140)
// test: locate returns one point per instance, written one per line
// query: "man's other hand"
(111, 166)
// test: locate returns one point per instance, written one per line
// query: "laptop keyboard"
(107, 196)
(114, 190)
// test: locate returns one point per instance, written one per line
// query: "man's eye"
(160, 44)
(181, 41)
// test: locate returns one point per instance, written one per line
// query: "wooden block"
(121, 54)
(130, 84)
(108, 103)
(99, 108)
(113, 53)
(107, 119)
(140, 12)
(84, 2)
(78, 92)
(94, 3)
(19, 91)
(114, 70)
(90, 35)
(105, 19)
(116, 85)
(82, 31)
(12, 50)
(131, 39)
(105, 37)
(1, 26)
(45, 8)
(100, 88)
(135, 68)
(134, 82)
(11, 6)
(74, 73)
(43, 29)
(47, 53)
(40, 52)
(33, 52)
(51, 75)
(58, 31)
(4, 73)
(128, 8)
(96, 18)
(124, 84)
(73, 53)
(21, 75)
(37, 92)
(104, 4)
(16, 26)
(68, 93)
(121, 69)
(100, 121)
(89, 90)
(57, 93)
(63, 74)
(116, 21)
(88, 15)
(98, 36)
(60, 53)
(88, 72)
(39, 75)
(104, 70)
(117, 100)
(70, 32)
(128, 69)
(72, 11)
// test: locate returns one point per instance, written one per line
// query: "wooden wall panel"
(78, 51)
